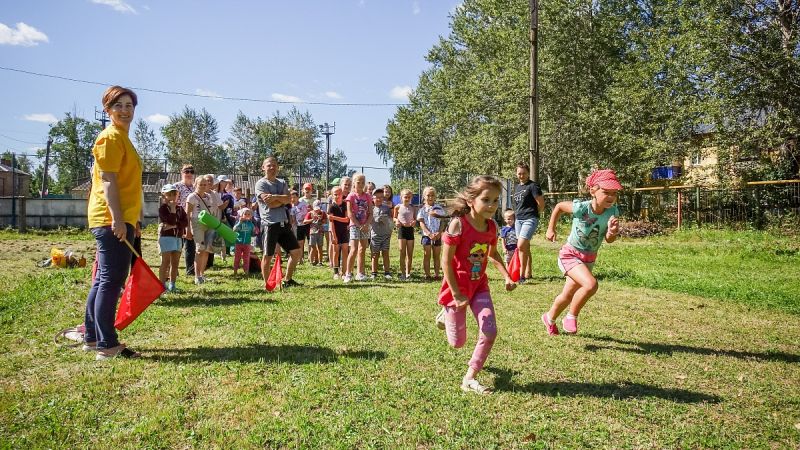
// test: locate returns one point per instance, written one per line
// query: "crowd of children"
(339, 226)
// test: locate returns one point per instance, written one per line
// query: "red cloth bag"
(142, 288)
(513, 266)
(275, 275)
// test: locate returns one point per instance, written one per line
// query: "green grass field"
(693, 341)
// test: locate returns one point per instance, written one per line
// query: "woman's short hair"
(113, 94)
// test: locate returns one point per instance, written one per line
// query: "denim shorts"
(357, 235)
(526, 228)
(168, 244)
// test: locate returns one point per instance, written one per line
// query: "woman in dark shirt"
(528, 205)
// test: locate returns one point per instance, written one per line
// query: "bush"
(640, 228)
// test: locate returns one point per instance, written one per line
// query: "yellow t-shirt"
(114, 153)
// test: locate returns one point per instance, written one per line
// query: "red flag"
(142, 288)
(513, 266)
(276, 274)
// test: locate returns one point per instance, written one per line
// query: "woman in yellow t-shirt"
(115, 215)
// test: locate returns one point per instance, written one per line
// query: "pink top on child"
(469, 262)
(361, 204)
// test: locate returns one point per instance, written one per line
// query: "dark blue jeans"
(113, 265)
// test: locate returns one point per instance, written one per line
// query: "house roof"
(5, 168)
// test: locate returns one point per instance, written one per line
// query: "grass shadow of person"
(294, 354)
(656, 348)
(619, 391)
(204, 301)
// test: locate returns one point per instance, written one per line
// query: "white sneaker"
(361, 277)
(198, 280)
(336, 276)
(388, 276)
(347, 278)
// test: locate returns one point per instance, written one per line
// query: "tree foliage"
(192, 138)
(149, 147)
(622, 84)
(71, 152)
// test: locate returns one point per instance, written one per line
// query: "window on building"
(697, 158)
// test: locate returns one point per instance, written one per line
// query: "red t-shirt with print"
(469, 262)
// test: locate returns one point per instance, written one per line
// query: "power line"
(18, 140)
(188, 94)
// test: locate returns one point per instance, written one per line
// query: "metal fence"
(757, 204)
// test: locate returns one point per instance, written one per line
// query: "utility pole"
(326, 130)
(533, 128)
(13, 190)
(101, 116)
(46, 167)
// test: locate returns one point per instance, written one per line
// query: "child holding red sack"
(592, 221)
(470, 241)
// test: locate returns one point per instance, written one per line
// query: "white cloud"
(207, 93)
(118, 5)
(400, 92)
(415, 8)
(286, 98)
(24, 35)
(41, 117)
(157, 118)
(333, 94)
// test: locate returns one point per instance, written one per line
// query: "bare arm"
(448, 253)
(540, 204)
(190, 228)
(561, 208)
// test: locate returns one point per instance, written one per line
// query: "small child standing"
(315, 219)
(404, 219)
(244, 240)
(429, 218)
(380, 234)
(508, 235)
(592, 220)
(172, 223)
(359, 211)
(470, 240)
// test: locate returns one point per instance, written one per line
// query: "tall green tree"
(149, 147)
(71, 152)
(192, 138)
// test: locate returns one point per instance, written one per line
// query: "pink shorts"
(569, 257)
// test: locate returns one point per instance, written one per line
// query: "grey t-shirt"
(382, 222)
(277, 187)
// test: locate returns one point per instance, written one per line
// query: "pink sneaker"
(570, 325)
(551, 328)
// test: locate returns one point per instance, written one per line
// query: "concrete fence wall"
(48, 213)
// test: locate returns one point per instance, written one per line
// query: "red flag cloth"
(513, 266)
(275, 275)
(142, 288)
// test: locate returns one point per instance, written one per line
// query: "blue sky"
(348, 51)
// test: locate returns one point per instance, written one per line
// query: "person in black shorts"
(340, 236)
(273, 196)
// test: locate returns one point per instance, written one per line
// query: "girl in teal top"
(592, 221)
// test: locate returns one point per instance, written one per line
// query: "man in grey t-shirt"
(273, 196)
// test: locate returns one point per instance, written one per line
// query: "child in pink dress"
(470, 241)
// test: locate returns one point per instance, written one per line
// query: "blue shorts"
(168, 244)
(526, 228)
(427, 241)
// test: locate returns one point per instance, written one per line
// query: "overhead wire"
(189, 94)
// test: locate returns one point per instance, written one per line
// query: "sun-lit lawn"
(692, 341)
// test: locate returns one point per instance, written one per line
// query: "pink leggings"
(456, 326)
(241, 253)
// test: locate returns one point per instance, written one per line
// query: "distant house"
(9, 176)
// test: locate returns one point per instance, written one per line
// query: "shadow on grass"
(356, 285)
(198, 299)
(619, 391)
(653, 348)
(295, 354)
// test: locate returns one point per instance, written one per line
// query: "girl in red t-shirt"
(470, 240)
